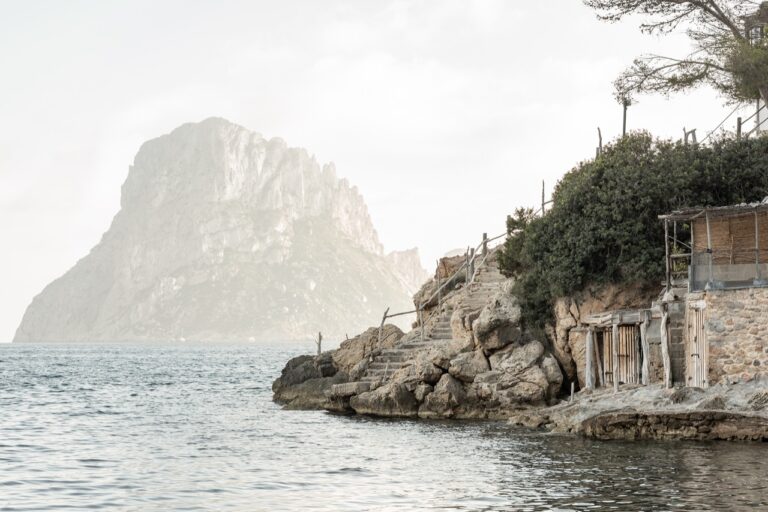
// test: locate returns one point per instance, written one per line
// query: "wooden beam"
(589, 378)
(666, 255)
(600, 373)
(646, 378)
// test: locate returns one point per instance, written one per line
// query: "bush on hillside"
(603, 225)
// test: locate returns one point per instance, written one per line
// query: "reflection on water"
(144, 427)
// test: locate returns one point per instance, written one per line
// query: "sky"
(446, 114)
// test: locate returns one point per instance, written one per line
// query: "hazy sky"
(446, 114)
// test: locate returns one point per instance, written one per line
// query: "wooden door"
(697, 349)
(629, 354)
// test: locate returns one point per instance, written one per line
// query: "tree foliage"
(603, 225)
(722, 55)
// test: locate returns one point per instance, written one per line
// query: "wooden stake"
(589, 378)
(383, 319)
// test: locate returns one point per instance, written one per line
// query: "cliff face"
(224, 235)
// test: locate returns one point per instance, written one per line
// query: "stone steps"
(479, 293)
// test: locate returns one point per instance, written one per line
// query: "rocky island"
(224, 235)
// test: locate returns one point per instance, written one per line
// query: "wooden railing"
(470, 266)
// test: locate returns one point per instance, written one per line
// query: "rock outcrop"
(487, 367)
(305, 380)
(225, 235)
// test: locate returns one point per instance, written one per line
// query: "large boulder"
(296, 371)
(467, 365)
(462, 319)
(498, 324)
(418, 371)
(352, 351)
(520, 375)
(447, 396)
(304, 381)
(443, 353)
(516, 358)
(392, 400)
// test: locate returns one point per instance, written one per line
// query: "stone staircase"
(476, 296)
(392, 359)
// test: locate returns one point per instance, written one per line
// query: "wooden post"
(421, 321)
(757, 249)
(709, 248)
(543, 205)
(485, 244)
(646, 372)
(738, 128)
(589, 378)
(624, 124)
(600, 374)
(319, 343)
(600, 142)
(615, 348)
(439, 291)
(666, 254)
(471, 266)
(383, 319)
(665, 347)
(469, 275)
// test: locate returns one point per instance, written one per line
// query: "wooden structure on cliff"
(728, 247)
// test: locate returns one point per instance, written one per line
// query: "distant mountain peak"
(219, 233)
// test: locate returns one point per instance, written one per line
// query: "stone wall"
(737, 333)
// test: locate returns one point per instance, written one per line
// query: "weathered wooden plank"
(646, 369)
(665, 349)
(615, 349)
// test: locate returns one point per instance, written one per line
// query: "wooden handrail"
(476, 253)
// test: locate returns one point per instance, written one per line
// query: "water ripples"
(143, 428)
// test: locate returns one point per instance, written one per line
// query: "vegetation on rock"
(603, 225)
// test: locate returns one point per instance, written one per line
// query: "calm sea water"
(144, 428)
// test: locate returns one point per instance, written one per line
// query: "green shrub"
(603, 224)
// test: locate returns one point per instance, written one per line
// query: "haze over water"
(191, 427)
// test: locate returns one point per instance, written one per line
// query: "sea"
(188, 427)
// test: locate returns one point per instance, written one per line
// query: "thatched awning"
(688, 214)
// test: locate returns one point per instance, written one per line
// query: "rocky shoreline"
(471, 359)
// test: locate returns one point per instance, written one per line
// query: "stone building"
(726, 301)
(710, 323)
